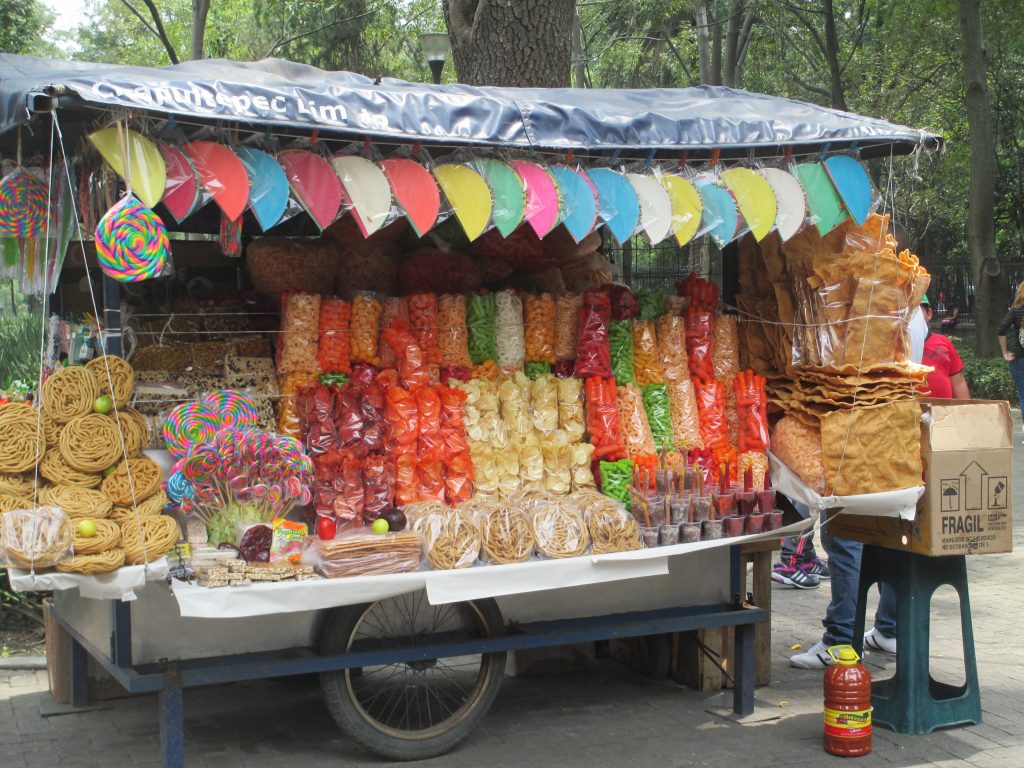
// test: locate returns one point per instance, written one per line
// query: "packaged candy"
(288, 540)
(593, 357)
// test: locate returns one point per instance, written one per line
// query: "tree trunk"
(579, 63)
(716, 53)
(835, 75)
(515, 43)
(703, 21)
(200, 10)
(981, 241)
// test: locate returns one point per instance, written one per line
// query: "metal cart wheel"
(418, 709)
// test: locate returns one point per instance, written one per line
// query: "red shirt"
(941, 355)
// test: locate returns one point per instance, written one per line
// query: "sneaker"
(876, 641)
(815, 658)
(794, 577)
(818, 567)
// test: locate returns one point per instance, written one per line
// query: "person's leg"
(882, 637)
(1017, 372)
(796, 558)
(844, 564)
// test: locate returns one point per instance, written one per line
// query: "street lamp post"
(435, 47)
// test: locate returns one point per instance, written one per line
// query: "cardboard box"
(967, 448)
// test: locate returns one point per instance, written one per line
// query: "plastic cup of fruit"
(766, 501)
(754, 523)
(701, 507)
(725, 504)
(711, 529)
(668, 534)
(679, 509)
(649, 535)
(746, 502)
(733, 526)
(689, 532)
(774, 520)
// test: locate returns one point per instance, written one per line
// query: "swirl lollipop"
(131, 242)
(22, 205)
(186, 425)
(233, 409)
(179, 488)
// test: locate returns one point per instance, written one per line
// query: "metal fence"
(641, 265)
(952, 287)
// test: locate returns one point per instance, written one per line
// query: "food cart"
(411, 661)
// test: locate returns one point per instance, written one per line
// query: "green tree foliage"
(22, 24)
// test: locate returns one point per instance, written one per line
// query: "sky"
(69, 13)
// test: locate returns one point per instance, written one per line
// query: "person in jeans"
(844, 567)
(1009, 340)
(799, 565)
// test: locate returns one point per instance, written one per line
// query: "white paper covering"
(116, 585)
(902, 503)
(445, 586)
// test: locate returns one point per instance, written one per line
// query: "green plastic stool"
(911, 701)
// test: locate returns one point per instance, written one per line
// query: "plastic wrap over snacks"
(423, 322)
(544, 404)
(36, 538)
(603, 419)
(540, 328)
(567, 319)
(656, 404)
(571, 417)
(671, 333)
(394, 308)
(636, 432)
(299, 330)
(451, 537)
(646, 357)
(798, 446)
(505, 533)
(752, 411)
(620, 345)
(559, 529)
(592, 354)
(616, 478)
(725, 355)
(612, 528)
(480, 323)
(365, 329)
(711, 408)
(508, 323)
(333, 353)
(454, 338)
(852, 295)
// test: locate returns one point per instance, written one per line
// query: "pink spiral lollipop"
(233, 409)
(187, 425)
(131, 242)
(22, 205)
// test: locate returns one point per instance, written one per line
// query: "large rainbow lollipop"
(131, 242)
(233, 408)
(22, 205)
(186, 425)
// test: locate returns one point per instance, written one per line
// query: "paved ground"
(607, 716)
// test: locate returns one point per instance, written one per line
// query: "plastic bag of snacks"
(402, 417)
(480, 324)
(365, 329)
(451, 537)
(505, 533)
(580, 466)
(685, 418)
(558, 527)
(332, 354)
(289, 422)
(454, 338)
(711, 408)
(299, 328)
(611, 526)
(656, 405)
(624, 303)
(485, 472)
(423, 321)
(652, 305)
(636, 432)
(567, 319)
(458, 478)
(544, 404)
(531, 462)
(699, 338)
(620, 346)
(412, 368)
(557, 465)
(509, 332)
(356, 553)
(428, 408)
(407, 484)
(671, 332)
(394, 308)
(603, 419)
(514, 395)
(725, 350)
(288, 538)
(592, 354)
(757, 464)
(35, 538)
(616, 478)
(540, 328)
(378, 487)
(571, 418)
(677, 305)
(752, 410)
(646, 358)
(431, 478)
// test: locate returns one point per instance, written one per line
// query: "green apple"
(379, 526)
(102, 404)
(110, 470)
(86, 529)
